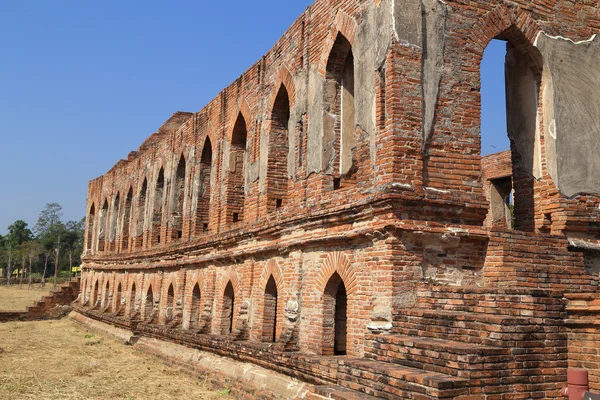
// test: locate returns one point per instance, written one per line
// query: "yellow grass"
(62, 360)
(13, 298)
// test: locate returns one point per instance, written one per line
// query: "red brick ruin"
(329, 216)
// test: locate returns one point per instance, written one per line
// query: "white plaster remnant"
(458, 230)
(393, 5)
(375, 327)
(402, 185)
(552, 129)
(437, 190)
(535, 42)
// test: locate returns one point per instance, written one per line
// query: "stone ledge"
(220, 371)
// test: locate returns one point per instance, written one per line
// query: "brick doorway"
(269, 331)
(335, 317)
(228, 303)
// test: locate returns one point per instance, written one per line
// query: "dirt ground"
(63, 360)
(13, 298)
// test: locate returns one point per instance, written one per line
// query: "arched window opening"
(102, 227)
(277, 170)
(195, 310)
(204, 189)
(170, 306)
(95, 294)
(228, 309)
(141, 214)
(126, 220)
(339, 118)
(510, 82)
(105, 296)
(114, 223)
(269, 331)
(132, 301)
(335, 317)
(90, 227)
(179, 198)
(148, 304)
(85, 292)
(158, 208)
(117, 299)
(236, 176)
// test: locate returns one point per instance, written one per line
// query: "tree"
(73, 241)
(49, 217)
(31, 250)
(18, 233)
(48, 230)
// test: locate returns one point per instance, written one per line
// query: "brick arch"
(167, 282)
(180, 152)
(140, 180)
(337, 262)
(198, 277)
(271, 268)
(93, 292)
(344, 24)
(230, 275)
(108, 286)
(145, 291)
(139, 290)
(285, 78)
(244, 109)
(207, 134)
(116, 282)
(499, 20)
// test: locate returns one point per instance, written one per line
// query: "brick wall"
(298, 193)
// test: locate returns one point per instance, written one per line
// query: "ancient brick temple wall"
(307, 202)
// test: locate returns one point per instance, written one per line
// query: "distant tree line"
(29, 255)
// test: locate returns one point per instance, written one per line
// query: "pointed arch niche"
(141, 214)
(236, 175)
(177, 212)
(125, 234)
(90, 228)
(157, 211)
(277, 165)
(339, 125)
(518, 64)
(204, 188)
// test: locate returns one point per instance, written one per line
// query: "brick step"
(340, 393)
(392, 381)
(444, 356)
(479, 328)
(513, 302)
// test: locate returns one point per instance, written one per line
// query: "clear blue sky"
(83, 83)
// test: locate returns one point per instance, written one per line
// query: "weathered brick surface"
(584, 335)
(298, 215)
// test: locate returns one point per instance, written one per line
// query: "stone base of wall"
(244, 379)
(463, 343)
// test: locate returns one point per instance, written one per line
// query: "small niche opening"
(337, 183)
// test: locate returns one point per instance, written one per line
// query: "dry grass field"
(62, 360)
(13, 298)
